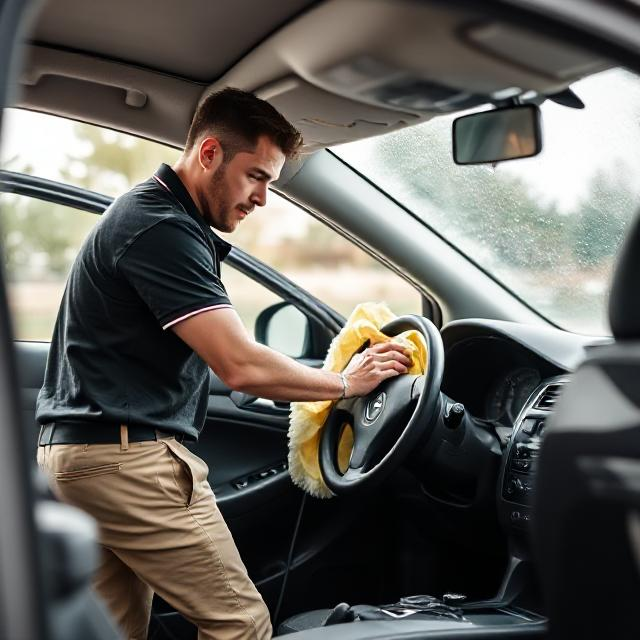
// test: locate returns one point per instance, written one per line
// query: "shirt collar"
(169, 178)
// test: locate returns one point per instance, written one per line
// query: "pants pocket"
(190, 472)
(182, 475)
(86, 472)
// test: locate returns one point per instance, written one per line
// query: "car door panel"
(244, 442)
(31, 360)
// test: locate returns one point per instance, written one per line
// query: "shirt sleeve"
(172, 268)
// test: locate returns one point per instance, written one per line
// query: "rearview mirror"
(497, 135)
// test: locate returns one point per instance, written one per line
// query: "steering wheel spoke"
(348, 405)
(352, 474)
(361, 451)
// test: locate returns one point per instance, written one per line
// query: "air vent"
(548, 397)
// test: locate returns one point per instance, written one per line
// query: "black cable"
(276, 614)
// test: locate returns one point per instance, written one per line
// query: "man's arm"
(221, 340)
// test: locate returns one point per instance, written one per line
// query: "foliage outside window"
(40, 242)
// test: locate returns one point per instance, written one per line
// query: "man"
(143, 316)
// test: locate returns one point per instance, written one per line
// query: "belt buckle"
(166, 435)
(43, 442)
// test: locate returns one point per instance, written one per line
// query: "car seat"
(587, 518)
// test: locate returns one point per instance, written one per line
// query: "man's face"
(236, 187)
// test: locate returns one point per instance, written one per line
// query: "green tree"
(40, 237)
(473, 206)
(602, 218)
(114, 161)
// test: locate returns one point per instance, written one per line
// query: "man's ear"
(210, 154)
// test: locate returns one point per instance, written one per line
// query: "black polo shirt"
(148, 263)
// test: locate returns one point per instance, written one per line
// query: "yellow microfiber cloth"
(307, 418)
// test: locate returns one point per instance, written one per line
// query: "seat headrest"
(624, 301)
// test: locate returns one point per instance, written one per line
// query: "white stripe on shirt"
(193, 313)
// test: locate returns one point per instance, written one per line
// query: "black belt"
(99, 433)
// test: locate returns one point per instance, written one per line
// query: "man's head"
(236, 146)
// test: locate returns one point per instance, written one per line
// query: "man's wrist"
(345, 385)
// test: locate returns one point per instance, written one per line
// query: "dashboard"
(508, 376)
(493, 377)
(493, 367)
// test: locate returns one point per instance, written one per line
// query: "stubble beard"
(220, 214)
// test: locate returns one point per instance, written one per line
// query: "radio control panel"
(520, 462)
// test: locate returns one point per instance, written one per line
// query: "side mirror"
(284, 328)
(497, 135)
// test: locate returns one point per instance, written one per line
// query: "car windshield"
(549, 227)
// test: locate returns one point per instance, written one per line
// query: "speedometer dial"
(508, 396)
(523, 381)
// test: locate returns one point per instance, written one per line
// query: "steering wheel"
(389, 422)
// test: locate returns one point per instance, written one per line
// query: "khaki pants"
(161, 531)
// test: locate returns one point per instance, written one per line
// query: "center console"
(519, 467)
(509, 614)
(486, 624)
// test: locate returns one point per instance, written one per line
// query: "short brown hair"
(238, 118)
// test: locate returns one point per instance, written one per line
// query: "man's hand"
(368, 369)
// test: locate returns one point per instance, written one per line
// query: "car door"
(47, 551)
(21, 599)
(244, 440)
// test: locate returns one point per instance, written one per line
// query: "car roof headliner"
(198, 40)
(340, 70)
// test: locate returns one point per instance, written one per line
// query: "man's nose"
(259, 195)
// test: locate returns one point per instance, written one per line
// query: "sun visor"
(552, 59)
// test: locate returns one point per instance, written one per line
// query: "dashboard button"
(514, 487)
(521, 465)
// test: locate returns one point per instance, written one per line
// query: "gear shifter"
(340, 613)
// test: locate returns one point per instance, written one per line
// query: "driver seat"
(587, 514)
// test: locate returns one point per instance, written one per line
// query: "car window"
(280, 234)
(547, 227)
(40, 241)
(77, 153)
(247, 296)
(320, 260)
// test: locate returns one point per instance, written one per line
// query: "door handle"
(259, 405)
